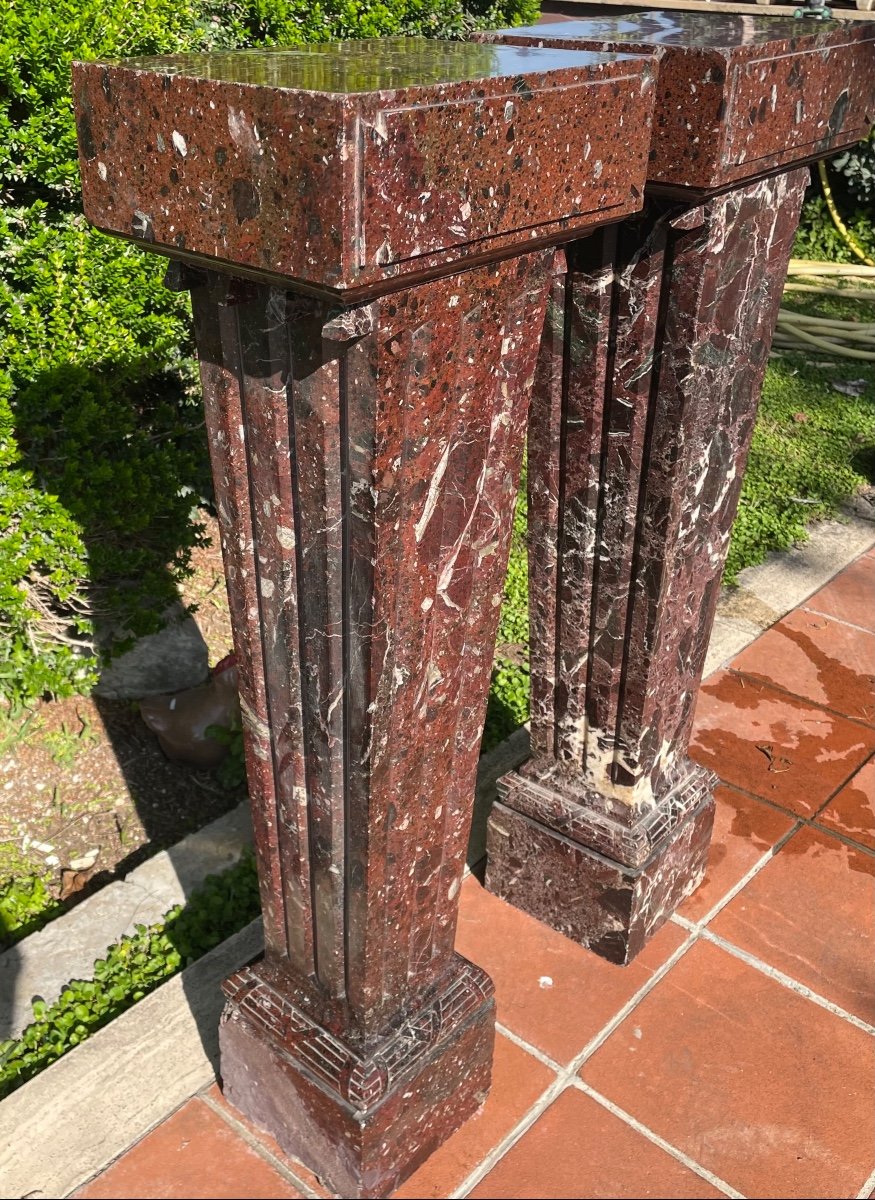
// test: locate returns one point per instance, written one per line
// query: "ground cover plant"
(130, 969)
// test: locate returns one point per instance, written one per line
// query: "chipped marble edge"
(43, 963)
(787, 578)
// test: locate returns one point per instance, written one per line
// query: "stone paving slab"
(771, 589)
(41, 965)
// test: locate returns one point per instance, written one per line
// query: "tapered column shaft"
(370, 232)
(366, 466)
(647, 391)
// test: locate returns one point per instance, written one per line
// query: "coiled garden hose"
(841, 339)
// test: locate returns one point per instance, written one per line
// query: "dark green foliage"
(26, 903)
(101, 447)
(131, 969)
(857, 168)
(817, 237)
(102, 454)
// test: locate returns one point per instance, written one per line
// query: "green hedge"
(102, 452)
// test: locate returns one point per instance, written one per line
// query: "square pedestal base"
(361, 1122)
(610, 908)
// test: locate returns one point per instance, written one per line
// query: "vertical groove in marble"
(652, 253)
(666, 345)
(215, 328)
(266, 365)
(298, 802)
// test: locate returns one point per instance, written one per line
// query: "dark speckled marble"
(646, 393)
(736, 95)
(346, 166)
(366, 403)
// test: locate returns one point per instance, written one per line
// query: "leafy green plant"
(102, 454)
(857, 167)
(65, 745)
(817, 237)
(25, 900)
(232, 770)
(130, 969)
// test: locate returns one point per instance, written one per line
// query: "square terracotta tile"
(745, 830)
(193, 1155)
(852, 811)
(757, 1083)
(269, 1142)
(810, 912)
(774, 745)
(550, 991)
(518, 1080)
(579, 1149)
(818, 658)
(850, 596)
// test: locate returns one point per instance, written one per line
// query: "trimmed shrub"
(102, 452)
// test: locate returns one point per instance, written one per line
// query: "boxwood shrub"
(102, 452)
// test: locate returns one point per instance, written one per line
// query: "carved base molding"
(361, 1118)
(560, 873)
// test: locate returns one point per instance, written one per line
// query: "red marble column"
(368, 231)
(647, 389)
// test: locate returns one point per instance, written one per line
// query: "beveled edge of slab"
(349, 193)
(731, 104)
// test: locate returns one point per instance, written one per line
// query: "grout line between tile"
(564, 1075)
(605, 1032)
(741, 884)
(559, 1084)
(840, 837)
(777, 687)
(260, 1149)
(786, 981)
(726, 1188)
(830, 617)
(529, 1048)
(867, 1189)
(101, 1170)
(841, 786)
(812, 821)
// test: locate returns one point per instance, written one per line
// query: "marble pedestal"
(646, 393)
(369, 234)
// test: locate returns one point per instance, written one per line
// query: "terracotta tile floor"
(736, 1056)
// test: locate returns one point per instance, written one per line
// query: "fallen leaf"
(777, 762)
(800, 418)
(73, 881)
